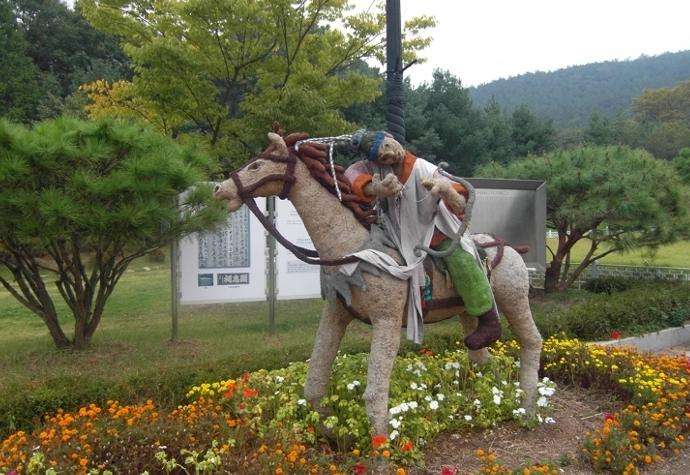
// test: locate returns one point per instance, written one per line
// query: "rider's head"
(379, 147)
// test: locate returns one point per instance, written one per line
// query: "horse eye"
(254, 166)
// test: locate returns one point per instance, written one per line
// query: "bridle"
(309, 256)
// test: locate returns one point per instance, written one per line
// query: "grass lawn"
(133, 339)
(672, 255)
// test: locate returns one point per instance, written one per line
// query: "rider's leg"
(473, 287)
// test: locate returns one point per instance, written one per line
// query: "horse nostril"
(216, 188)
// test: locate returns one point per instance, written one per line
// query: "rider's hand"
(389, 186)
(442, 188)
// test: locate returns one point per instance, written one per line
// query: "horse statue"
(338, 226)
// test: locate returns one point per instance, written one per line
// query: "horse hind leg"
(334, 321)
(510, 282)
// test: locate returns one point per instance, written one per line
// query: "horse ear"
(279, 144)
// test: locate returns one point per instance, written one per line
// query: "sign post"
(271, 268)
(174, 290)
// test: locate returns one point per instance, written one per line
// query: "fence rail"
(670, 274)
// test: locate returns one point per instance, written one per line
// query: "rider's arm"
(359, 177)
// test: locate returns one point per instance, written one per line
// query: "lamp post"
(395, 119)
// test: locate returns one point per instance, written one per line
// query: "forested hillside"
(569, 96)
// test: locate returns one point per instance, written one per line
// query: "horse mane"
(315, 156)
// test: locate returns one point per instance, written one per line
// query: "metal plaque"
(514, 210)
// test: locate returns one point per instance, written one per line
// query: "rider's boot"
(488, 331)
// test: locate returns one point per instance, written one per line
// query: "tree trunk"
(554, 280)
(81, 337)
(56, 333)
(552, 275)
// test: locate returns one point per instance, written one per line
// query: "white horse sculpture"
(336, 230)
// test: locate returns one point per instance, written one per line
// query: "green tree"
(66, 48)
(664, 117)
(530, 135)
(600, 130)
(79, 201)
(609, 196)
(682, 165)
(227, 69)
(499, 143)
(19, 93)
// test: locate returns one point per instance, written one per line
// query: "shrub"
(640, 309)
(608, 284)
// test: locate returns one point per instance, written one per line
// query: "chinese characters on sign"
(228, 247)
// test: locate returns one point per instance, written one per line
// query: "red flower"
(609, 417)
(245, 377)
(378, 440)
(360, 469)
(407, 446)
(615, 335)
(249, 392)
(426, 352)
(449, 470)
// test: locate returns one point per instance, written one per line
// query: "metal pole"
(395, 115)
(271, 270)
(175, 294)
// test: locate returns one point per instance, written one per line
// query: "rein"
(309, 256)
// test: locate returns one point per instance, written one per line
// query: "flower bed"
(261, 424)
(653, 425)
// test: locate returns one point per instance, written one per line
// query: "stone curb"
(666, 338)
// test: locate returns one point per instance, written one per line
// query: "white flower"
(302, 402)
(497, 399)
(394, 434)
(427, 398)
(440, 397)
(477, 402)
(413, 385)
(433, 405)
(395, 423)
(413, 405)
(468, 417)
(550, 420)
(546, 391)
(279, 379)
(495, 390)
(542, 402)
(479, 374)
(519, 411)
(350, 387)
(539, 419)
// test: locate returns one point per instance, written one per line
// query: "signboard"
(225, 265)
(514, 210)
(295, 279)
(230, 264)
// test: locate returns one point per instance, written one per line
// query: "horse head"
(268, 174)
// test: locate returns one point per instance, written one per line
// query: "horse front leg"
(334, 321)
(384, 348)
(469, 325)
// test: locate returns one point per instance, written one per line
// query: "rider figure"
(383, 176)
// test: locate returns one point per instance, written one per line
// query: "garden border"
(654, 341)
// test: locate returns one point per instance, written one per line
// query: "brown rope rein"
(309, 256)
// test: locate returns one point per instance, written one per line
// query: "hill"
(570, 95)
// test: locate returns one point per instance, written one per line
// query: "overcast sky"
(483, 40)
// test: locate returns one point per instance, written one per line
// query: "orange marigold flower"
(249, 392)
(407, 446)
(378, 440)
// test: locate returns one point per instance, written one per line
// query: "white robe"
(410, 221)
